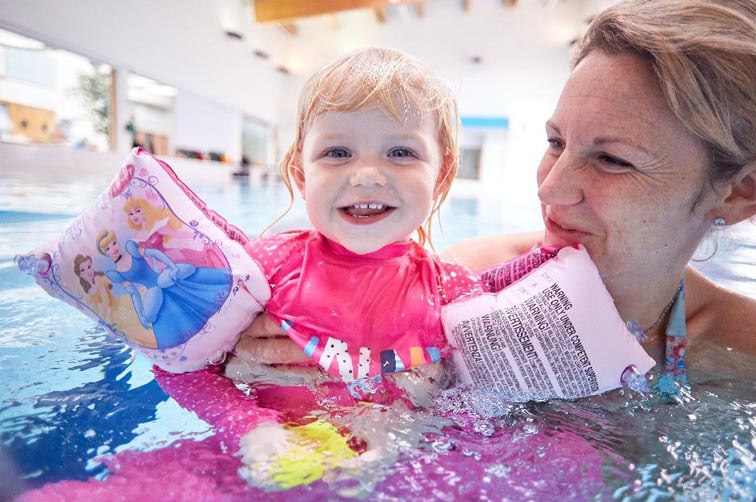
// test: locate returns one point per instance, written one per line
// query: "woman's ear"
(740, 203)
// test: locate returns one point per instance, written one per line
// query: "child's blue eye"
(401, 152)
(338, 153)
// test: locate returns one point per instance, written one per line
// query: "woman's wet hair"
(703, 53)
(396, 83)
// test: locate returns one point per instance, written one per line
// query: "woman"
(652, 144)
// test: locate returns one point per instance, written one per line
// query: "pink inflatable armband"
(552, 332)
(499, 277)
(153, 265)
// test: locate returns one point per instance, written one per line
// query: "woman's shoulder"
(718, 315)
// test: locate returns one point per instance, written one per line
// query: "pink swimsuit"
(359, 316)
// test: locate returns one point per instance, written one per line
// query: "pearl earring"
(719, 222)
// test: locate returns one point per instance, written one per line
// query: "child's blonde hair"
(387, 78)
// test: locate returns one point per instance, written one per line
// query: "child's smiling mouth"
(366, 212)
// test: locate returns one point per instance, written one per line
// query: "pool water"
(82, 419)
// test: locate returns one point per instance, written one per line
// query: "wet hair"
(397, 83)
(703, 54)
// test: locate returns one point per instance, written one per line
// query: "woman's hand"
(264, 354)
(264, 342)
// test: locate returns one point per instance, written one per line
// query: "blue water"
(69, 393)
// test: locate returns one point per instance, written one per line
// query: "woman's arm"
(481, 253)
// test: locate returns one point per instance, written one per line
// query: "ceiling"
(284, 31)
(498, 54)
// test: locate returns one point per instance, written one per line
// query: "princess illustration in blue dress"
(176, 301)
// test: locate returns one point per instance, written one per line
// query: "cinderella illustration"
(178, 299)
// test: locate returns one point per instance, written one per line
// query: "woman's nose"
(559, 182)
(367, 174)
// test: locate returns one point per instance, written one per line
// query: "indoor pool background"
(82, 419)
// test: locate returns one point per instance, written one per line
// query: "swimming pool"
(82, 419)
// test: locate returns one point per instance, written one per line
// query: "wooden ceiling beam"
(420, 9)
(467, 5)
(278, 10)
(509, 3)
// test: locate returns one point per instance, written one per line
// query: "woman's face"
(621, 175)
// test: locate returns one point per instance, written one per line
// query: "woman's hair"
(398, 84)
(703, 53)
(152, 214)
(78, 260)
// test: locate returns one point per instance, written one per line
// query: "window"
(256, 141)
(52, 96)
(151, 114)
(469, 168)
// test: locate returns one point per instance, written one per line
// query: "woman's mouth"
(564, 235)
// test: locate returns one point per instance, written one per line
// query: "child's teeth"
(368, 206)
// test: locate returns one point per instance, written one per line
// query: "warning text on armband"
(530, 347)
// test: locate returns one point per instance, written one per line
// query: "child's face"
(368, 180)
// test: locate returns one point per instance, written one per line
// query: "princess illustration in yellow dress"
(115, 311)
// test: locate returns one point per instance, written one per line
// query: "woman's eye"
(337, 153)
(401, 153)
(555, 143)
(613, 161)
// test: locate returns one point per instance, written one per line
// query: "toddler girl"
(374, 156)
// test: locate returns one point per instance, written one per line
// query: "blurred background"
(215, 81)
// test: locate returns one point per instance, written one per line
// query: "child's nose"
(367, 175)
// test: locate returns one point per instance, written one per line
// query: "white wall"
(204, 125)
(58, 164)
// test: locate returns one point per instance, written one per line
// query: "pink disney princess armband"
(154, 266)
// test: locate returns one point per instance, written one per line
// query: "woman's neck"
(648, 304)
